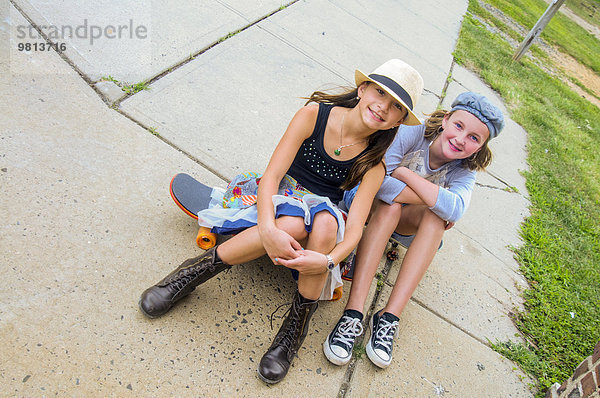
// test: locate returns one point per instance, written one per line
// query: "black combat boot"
(276, 362)
(158, 299)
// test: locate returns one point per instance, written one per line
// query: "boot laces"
(183, 279)
(385, 333)
(190, 272)
(277, 309)
(349, 329)
(287, 336)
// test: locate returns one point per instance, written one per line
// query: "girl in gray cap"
(430, 174)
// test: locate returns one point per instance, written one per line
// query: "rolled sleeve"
(452, 202)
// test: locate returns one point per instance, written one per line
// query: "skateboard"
(192, 196)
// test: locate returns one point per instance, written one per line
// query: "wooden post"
(537, 29)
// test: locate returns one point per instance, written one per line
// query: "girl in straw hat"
(430, 175)
(327, 148)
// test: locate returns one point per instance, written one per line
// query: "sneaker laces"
(349, 328)
(385, 333)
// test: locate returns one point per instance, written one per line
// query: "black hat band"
(395, 87)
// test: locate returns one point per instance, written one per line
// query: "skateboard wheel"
(337, 294)
(392, 255)
(205, 238)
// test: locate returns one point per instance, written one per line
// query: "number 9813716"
(42, 46)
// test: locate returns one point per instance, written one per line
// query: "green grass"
(560, 256)
(561, 31)
(586, 9)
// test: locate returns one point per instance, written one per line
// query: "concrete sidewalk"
(87, 222)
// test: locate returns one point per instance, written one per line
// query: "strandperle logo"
(84, 31)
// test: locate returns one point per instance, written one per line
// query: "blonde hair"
(433, 128)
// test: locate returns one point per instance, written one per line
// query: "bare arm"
(423, 189)
(408, 196)
(276, 242)
(428, 191)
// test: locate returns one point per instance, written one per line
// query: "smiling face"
(463, 135)
(379, 110)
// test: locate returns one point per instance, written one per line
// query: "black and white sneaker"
(338, 345)
(380, 345)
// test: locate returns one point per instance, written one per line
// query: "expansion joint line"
(55, 47)
(115, 105)
(345, 386)
(207, 48)
(447, 82)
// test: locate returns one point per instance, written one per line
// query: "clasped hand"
(308, 262)
(284, 250)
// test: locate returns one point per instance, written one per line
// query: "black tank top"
(314, 169)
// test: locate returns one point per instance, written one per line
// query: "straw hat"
(401, 81)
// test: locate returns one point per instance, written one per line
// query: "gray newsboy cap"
(481, 108)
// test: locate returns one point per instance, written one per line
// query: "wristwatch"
(330, 263)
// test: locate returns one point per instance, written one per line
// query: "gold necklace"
(338, 151)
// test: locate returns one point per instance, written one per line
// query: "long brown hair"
(377, 143)
(433, 128)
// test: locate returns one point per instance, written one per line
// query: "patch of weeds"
(126, 87)
(135, 88)
(524, 356)
(380, 280)
(109, 78)
(228, 36)
(153, 131)
(359, 350)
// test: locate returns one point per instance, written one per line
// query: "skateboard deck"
(192, 196)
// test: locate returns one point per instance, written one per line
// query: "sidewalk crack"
(210, 46)
(346, 382)
(449, 321)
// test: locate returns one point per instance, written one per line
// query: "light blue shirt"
(410, 149)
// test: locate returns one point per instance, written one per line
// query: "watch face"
(330, 263)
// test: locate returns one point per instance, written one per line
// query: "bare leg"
(322, 239)
(247, 246)
(430, 229)
(382, 223)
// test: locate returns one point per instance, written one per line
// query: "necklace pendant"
(337, 152)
